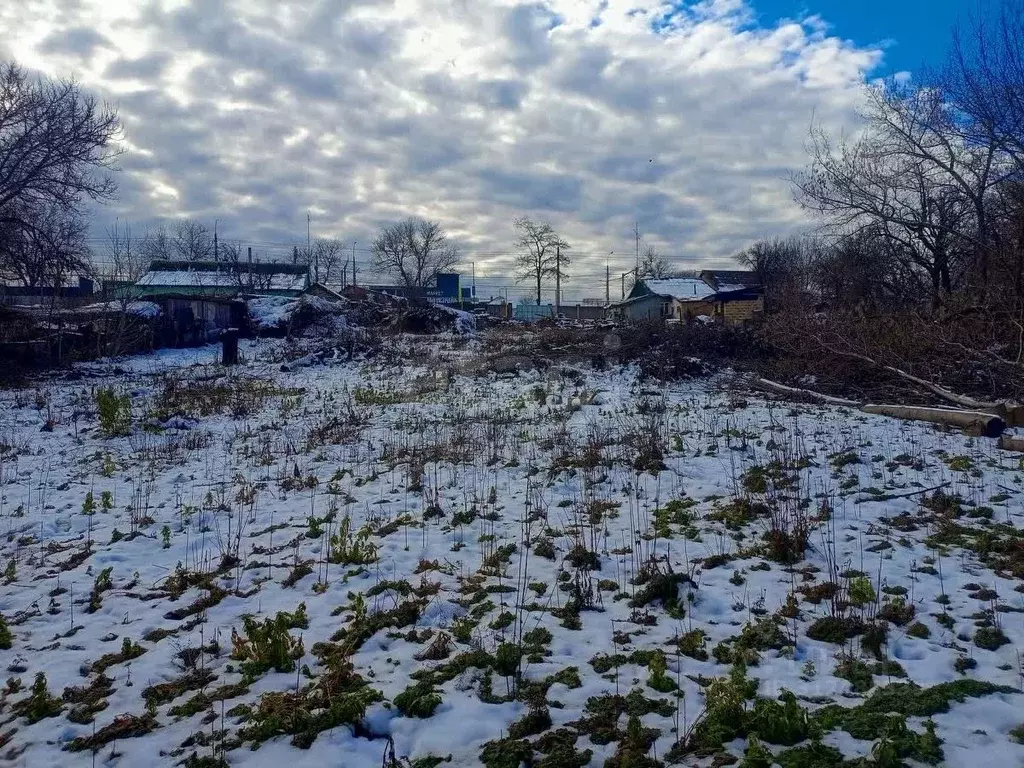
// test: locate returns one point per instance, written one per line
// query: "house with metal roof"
(199, 299)
(726, 296)
(222, 279)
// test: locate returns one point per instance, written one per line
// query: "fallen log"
(1011, 443)
(782, 389)
(946, 394)
(974, 422)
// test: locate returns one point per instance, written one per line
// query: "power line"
(278, 245)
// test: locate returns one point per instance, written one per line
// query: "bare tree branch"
(542, 253)
(413, 251)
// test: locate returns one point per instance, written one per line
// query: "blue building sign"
(448, 285)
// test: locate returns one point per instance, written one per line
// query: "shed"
(725, 296)
(679, 298)
(739, 294)
(222, 279)
(199, 299)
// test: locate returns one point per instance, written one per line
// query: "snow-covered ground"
(461, 541)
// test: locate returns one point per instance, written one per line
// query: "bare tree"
(247, 276)
(325, 257)
(910, 179)
(328, 255)
(413, 251)
(49, 251)
(542, 253)
(125, 252)
(186, 240)
(57, 146)
(653, 264)
(156, 245)
(982, 86)
(857, 272)
(984, 80)
(192, 241)
(927, 203)
(127, 262)
(783, 266)
(1008, 266)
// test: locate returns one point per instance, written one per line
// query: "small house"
(199, 299)
(739, 294)
(723, 296)
(222, 279)
(675, 298)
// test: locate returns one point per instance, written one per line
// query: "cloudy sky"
(685, 117)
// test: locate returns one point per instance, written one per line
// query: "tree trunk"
(1011, 443)
(782, 389)
(975, 422)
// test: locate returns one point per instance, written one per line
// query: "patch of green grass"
(267, 645)
(835, 629)
(897, 611)
(39, 704)
(694, 644)
(129, 651)
(535, 721)
(964, 663)
(813, 755)
(764, 634)
(506, 753)
(1017, 734)
(504, 620)
(857, 672)
(204, 700)
(845, 459)
(990, 638)
(418, 700)
(662, 587)
(125, 726)
(163, 693)
(6, 638)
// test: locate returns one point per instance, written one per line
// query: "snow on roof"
(275, 281)
(139, 308)
(731, 277)
(680, 288)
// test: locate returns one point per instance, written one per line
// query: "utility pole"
(558, 280)
(295, 254)
(128, 245)
(354, 283)
(216, 250)
(309, 252)
(474, 281)
(250, 254)
(636, 231)
(607, 284)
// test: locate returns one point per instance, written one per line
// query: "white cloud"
(592, 113)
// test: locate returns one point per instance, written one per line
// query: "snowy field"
(416, 562)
